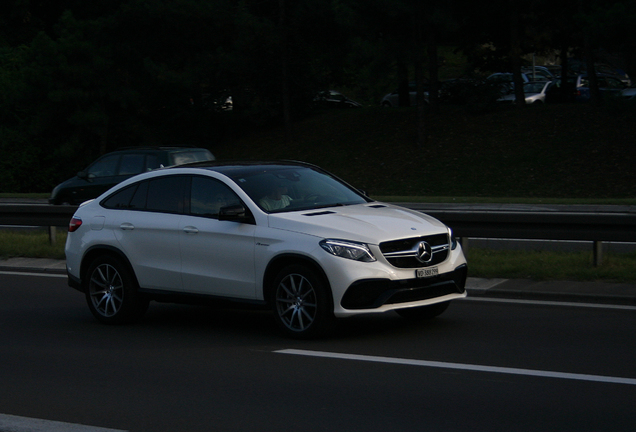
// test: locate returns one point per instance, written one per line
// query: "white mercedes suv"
(284, 235)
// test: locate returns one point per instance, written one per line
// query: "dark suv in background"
(115, 167)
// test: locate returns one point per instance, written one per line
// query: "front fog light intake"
(349, 250)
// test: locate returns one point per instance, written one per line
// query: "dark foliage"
(78, 78)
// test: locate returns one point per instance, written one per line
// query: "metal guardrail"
(36, 215)
(588, 223)
(597, 224)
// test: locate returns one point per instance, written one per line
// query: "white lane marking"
(11, 423)
(548, 303)
(56, 275)
(461, 366)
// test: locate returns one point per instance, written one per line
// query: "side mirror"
(82, 175)
(235, 213)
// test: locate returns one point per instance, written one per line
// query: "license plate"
(427, 272)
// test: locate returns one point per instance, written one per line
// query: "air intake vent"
(320, 213)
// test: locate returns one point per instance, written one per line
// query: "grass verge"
(31, 244)
(550, 265)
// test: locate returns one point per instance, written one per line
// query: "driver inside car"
(277, 198)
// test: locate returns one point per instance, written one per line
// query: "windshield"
(285, 188)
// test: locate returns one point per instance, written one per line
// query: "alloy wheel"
(106, 290)
(296, 302)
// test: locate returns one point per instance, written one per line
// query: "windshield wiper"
(329, 205)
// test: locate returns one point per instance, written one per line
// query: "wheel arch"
(103, 250)
(284, 260)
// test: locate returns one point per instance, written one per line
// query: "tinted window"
(152, 162)
(184, 157)
(138, 201)
(131, 164)
(165, 194)
(208, 196)
(121, 199)
(104, 167)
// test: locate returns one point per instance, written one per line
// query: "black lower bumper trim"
(74, 282)
(373, 293)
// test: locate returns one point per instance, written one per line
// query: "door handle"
(190, 230)
(127, 226)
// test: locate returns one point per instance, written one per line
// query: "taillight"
(74, 224)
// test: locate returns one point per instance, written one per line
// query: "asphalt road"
(483, 365)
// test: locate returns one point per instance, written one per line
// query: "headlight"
(349, 250)
(453, 240)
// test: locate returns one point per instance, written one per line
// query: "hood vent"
(377, 206)
(326, 212)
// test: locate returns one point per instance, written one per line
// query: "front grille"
(403, 253)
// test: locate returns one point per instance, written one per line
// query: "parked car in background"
(504, 81)
(115, 167)
(334, 99)
(629, 93)
(534, 91)
(465, 90)
(538, 73)
(579, 67)
(286, 236)
(608, 86)
(393, 99)
(615, 73)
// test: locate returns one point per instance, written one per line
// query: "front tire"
(301, 302)
(112, 292)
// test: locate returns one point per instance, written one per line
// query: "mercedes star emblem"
(424, 252)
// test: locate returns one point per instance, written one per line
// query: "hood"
(368, 223)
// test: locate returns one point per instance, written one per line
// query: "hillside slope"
(558, 151)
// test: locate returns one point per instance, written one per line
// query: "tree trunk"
(286, 100)
(419, 77)
(566, 92)
(595, 96)
(404, 98)
(515, 54)
(433, 70)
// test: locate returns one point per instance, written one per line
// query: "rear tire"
(112, 293)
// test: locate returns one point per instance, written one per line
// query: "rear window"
(189, 156)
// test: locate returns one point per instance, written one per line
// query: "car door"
(217, 256)
(148, 231)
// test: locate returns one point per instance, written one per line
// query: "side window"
(131, 164)
(208, 196)
(121, 199)
(152, 162)
(104, 167)
(138, 201)
(165, 194)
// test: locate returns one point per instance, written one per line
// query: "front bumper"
(383, 293)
